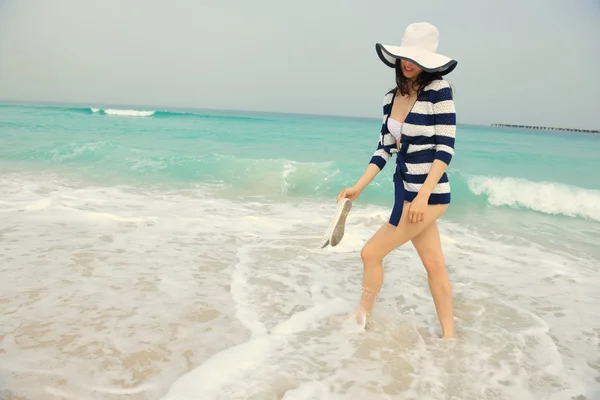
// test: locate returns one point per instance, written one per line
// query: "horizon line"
(148, 107)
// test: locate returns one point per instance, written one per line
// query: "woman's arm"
(438, 168)
(354, 191)
(445, 133)
(378, 160)
(376, 164)
(366, 178)
(382, 154)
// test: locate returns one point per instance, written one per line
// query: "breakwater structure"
(548, 128)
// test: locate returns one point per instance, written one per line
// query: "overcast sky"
(519, 61)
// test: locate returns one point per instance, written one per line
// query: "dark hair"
(424, 79)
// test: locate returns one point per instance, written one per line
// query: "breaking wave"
(123, 113)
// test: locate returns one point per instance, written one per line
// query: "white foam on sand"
(124, 293)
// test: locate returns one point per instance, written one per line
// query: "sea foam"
(545, 197)
(131, 292)
(123, 113)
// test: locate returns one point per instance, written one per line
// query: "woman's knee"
(370, 254)
(434, 264)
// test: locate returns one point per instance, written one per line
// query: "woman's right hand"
(351, 193)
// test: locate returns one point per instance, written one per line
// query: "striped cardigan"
(428, 134)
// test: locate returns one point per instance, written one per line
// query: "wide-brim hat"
(419, 45)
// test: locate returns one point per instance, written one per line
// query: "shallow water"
(118, 292)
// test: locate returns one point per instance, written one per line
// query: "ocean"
(175, 255)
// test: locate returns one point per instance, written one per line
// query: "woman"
(419, 125)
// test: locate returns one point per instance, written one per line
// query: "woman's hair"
(424, 79)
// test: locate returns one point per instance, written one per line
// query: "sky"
(519, 61)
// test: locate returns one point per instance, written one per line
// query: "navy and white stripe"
(428, 134)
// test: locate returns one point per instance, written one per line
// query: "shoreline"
(547, 128)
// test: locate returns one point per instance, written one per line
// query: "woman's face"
(410, 70)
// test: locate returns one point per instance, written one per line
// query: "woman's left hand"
(417, 208)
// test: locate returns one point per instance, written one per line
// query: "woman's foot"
(449, 335)
(359, 316)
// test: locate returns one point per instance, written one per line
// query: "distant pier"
(548, 128)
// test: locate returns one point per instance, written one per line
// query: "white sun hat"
(419, 45)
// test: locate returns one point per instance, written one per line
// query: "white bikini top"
(395, 128)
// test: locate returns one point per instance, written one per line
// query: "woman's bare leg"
(386, 239)
(428, 245)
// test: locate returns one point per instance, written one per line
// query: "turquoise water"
(293, 155)
(503, 179)
(216, 191)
